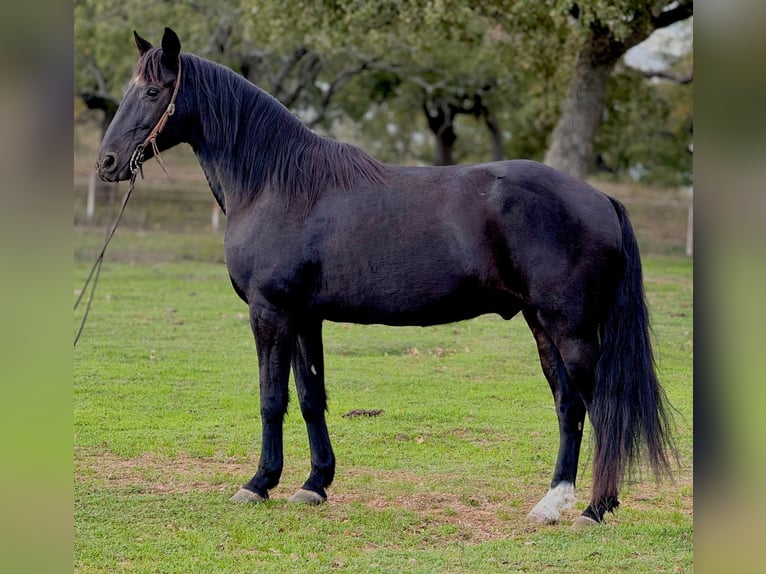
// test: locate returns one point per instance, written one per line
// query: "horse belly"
(415, 298)
(392, 312)
(419, 266)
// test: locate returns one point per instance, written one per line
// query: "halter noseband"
(137, 159)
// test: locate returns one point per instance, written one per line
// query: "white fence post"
(215, 220)
(690, 231)
(90, 208)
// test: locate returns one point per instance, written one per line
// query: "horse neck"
(246, 142)
(242, 133)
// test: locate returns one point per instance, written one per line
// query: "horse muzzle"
(110, 169)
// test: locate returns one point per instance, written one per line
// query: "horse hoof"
(244, 495)
(538, 518)
(583, 522)
(304, 496)
(548, 510)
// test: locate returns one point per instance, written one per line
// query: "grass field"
(167, 428)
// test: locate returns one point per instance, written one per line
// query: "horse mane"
(266, 144)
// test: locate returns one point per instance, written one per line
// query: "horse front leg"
(274, 343)
(308, 368)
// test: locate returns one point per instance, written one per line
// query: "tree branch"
(97, 75)
(677, 77)
(681, 12)
(340, 80)
(278, 85)
(311, 66)
(98, 100)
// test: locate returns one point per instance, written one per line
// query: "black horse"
(318, 230)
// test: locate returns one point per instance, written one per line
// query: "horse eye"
(152, 92)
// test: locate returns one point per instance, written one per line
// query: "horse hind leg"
(580, 357)
(570, 410)
(579, 349)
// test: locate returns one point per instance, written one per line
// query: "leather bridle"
(137, 159)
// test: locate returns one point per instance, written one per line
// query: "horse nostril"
(108, 162)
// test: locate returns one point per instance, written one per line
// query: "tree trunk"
(445, 141)
(571, 147)
(441, 122)
(497, 138)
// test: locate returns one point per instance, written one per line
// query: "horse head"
(147, 120)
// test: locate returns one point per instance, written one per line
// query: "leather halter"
(137, 159)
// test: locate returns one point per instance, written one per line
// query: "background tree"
(443, 59)
(484, 79)
(646, 132)
(611, 29)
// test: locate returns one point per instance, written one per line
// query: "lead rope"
(136, 169)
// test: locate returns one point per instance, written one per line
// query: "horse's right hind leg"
(570, 410)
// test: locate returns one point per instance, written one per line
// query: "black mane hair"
(264, 144)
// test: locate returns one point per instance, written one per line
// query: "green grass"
(167, 428)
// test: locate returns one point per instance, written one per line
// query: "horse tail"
(629, 410)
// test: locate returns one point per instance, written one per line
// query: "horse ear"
(143, 45)
(171, 47)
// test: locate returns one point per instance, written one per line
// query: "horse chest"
(263, 263)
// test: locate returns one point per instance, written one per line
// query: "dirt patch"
(363, 413)
(151, 473)
(482, 515)
(475, 517)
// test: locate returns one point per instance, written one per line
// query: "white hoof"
(547, 517)
(548, 510)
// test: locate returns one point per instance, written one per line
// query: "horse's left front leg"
(308, 368)
(274, 343)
